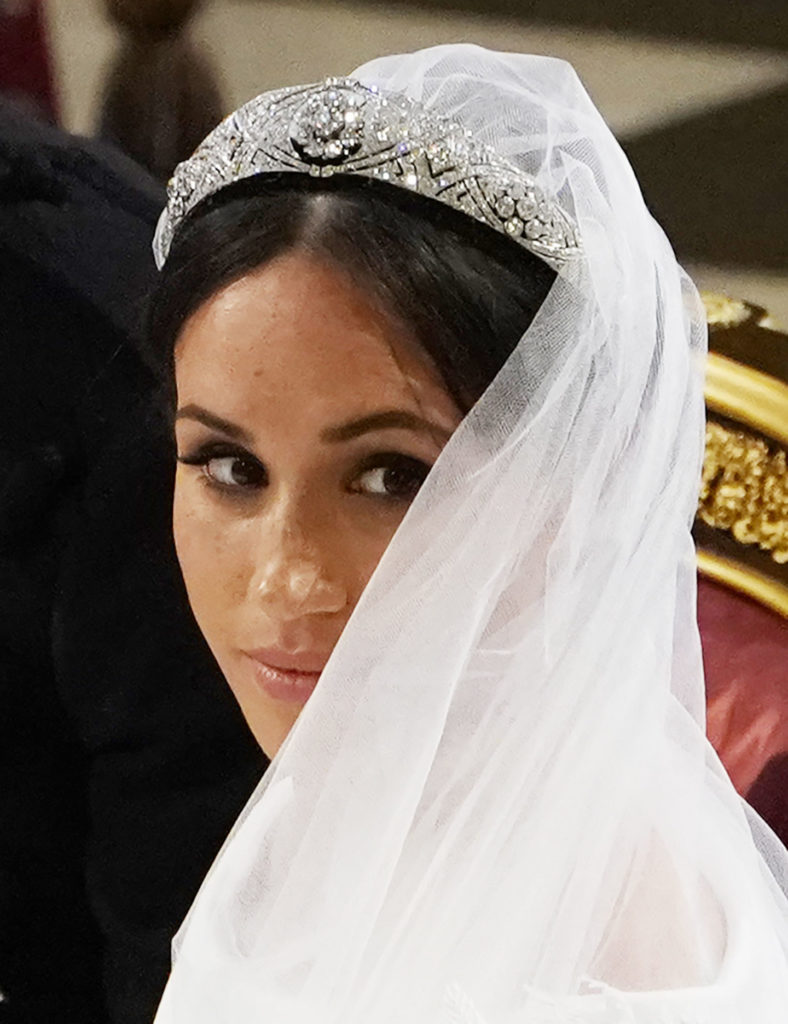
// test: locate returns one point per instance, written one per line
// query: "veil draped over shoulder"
(499, 805)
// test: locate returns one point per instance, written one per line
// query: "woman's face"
(306, 422)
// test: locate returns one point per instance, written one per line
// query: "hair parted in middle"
(465, 293)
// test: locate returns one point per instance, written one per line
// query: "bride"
(437, 380)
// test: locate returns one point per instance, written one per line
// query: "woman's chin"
(270, 719)
(270, 730)
(270, 701)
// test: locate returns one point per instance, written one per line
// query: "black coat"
(123, 758)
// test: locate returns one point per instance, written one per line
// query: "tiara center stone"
(329, 127)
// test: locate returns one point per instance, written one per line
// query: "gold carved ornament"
(744, 489)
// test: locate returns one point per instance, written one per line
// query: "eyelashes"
(228, 467)
(391, 477)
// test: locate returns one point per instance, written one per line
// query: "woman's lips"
(286, 677)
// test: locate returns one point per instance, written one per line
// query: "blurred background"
(696, 90)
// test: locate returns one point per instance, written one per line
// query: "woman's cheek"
(209, 554)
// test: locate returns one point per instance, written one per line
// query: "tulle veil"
(499, 806)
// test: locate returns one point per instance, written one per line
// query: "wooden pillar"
(161, 96)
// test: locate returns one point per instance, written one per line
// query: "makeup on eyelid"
(401, 471)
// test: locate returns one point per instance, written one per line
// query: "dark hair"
(465, 293)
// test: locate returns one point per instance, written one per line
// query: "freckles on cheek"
(210, 557)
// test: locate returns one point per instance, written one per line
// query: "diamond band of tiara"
(341, 126)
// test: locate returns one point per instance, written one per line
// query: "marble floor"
(704, 123)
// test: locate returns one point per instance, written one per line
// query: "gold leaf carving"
(745, 489)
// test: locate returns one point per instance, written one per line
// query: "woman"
(429, 301)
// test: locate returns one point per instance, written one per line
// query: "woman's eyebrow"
(388, 419)
(209, 419)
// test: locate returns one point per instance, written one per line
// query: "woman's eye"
(398, 477)
(231, 471)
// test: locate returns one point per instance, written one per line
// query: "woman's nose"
(292, 575)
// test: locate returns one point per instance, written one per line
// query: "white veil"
(499, 806)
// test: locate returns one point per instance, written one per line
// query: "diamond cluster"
(341, 126)
(329, 127)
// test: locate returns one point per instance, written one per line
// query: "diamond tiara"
(343, 127)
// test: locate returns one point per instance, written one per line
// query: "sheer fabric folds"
(499, 806)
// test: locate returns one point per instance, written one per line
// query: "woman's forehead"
(298, 327)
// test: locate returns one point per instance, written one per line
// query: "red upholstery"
(745, 653)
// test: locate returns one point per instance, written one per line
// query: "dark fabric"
(123, 758)
(81, 213)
